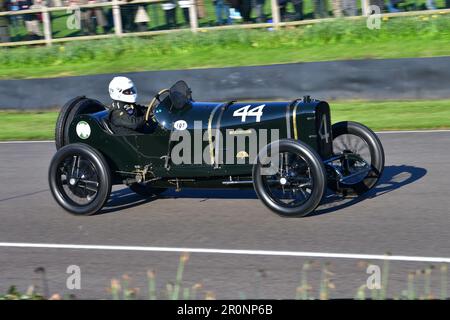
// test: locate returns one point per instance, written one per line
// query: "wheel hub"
(81, 179)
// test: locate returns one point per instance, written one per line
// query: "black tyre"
(61, 121)
(146, 190)
(356, 142)
(76, 106)
(80, 179)
(296, 184)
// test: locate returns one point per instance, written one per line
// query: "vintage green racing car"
(287, 151)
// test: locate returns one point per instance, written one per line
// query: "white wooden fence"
(194, 26)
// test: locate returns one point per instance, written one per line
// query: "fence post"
(117, 18)
(47, 26)
(193, 16)
(365, 7)
(275, 14)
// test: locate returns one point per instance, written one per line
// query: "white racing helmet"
(122, 89)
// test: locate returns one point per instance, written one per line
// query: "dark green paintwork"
(130, 154)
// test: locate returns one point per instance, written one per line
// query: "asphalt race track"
(406, 215)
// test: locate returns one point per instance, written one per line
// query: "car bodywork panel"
(149, 154)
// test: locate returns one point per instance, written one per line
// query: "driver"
(126, 116)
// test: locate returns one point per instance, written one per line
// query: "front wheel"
(80, 179)
(360, 160)
(293, 182)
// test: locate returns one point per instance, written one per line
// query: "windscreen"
(180, 94)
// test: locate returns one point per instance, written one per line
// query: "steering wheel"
(153, 103)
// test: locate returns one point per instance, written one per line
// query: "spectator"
(85, 21)
(431, 5)
(99, 15)
(14, 19)
(379, 3)
(4, 24)
(25, 4)
(233, 12)
(245, 8)
(142, 19)
(259, 8)
(392, 6)
(298, 8)
(128, 15)
(185, 5)
(171, 14)
(91, 18)
(447, 3)
(33, 21)
(201, 13)
(282, 4)
(320, 9)
(349, 8)
(337, 8)
(109, 19)
(222, 12)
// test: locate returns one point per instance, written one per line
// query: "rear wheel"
(294, 182)
(362, 158)
(80, 179)
(61, 121)
(76, 106)
(146, 189)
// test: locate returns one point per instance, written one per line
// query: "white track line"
(226, 251)
(413, 131)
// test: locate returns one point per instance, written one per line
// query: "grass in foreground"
(388, 115)
(335, 40)
(418, 285)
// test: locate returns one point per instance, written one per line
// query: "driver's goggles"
(129, 91)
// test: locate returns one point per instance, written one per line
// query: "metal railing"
(193, 20)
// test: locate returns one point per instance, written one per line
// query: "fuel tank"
(304, 119)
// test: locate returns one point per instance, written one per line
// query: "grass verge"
(17, 125)
(421, 36)
(386, 115)
(395, 115)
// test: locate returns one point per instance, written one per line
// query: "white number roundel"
(180, 125)
(83, 130)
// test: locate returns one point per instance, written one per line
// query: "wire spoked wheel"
(359, 158)
(295, 185)
(292, 184)
(355, 159)
(79, 179)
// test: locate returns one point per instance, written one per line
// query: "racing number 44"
(244, 112)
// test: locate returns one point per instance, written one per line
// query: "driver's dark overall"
(127, 118)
